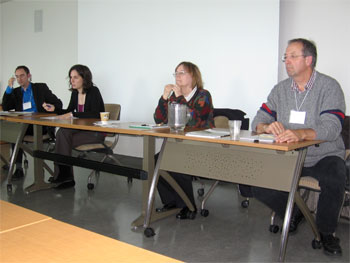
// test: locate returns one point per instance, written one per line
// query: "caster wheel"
(316, 244)
(129, 180)
(9, 188)
(149, 232)
(90, 186)
(274, 228)
(200, 192)
(5, 167)
(25, 164)
(205, 212)
(245, 203)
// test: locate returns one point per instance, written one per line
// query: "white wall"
(127, 33)
(327, 22)
(48, 54)
(133, 47)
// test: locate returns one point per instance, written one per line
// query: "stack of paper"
(146, 126)
(110, 124)
(209, 133)
(253, 137)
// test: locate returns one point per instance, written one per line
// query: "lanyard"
(296, 103)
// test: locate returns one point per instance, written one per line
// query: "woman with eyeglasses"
(85, 102)
(188, 89)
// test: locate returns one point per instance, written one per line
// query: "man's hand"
(48, 107)
(274, 128)
(11, 81)
(296, 135)
(289, 136)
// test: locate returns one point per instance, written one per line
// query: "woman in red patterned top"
(187, 90)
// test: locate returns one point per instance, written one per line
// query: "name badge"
(297, 117)
(27, 105)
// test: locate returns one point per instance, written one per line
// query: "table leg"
(149, 231)
(307, 214)
(290, 203)
(39, 182)
(14, 155)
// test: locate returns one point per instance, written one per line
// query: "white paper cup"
(104, 116)
(235, 129)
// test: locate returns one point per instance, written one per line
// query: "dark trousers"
(169, 196)
(66, 140)
(331, 174)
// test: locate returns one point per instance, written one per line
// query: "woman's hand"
(177, 90)
(167, 90)
(68, 115)
(48, 107)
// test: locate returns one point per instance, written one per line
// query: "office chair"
(48, 138)
(106, 147)
(310, 189)
(221, 119)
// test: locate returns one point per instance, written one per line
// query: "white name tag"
(297, 117)
(27, 105)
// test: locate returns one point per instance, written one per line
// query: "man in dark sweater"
(308, 106)
(30, 97)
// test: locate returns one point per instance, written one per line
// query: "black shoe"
(331, 245)
(51, 179)
(18, 175)
(63, 182)
(66, 184)
(295, 220)
(185, 213)
(165, 208)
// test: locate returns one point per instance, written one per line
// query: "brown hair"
(195, 73)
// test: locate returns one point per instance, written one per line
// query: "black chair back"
(233, 114)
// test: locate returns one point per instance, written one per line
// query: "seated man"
(28, 97)
(308, 106)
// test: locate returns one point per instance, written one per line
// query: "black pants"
(169, 196)
(67, 140)
(331, 174)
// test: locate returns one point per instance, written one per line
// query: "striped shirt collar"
(309, 84)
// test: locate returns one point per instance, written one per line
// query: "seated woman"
(188, 90)
(85, 102)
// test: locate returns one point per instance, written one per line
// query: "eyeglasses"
(179, 73)
(292, 57)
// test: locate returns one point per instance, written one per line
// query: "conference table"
(270, 165)
(13, 128)
(28, 236)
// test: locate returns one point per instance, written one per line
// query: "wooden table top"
(14, 217)
(51, 240)
(123, 128)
